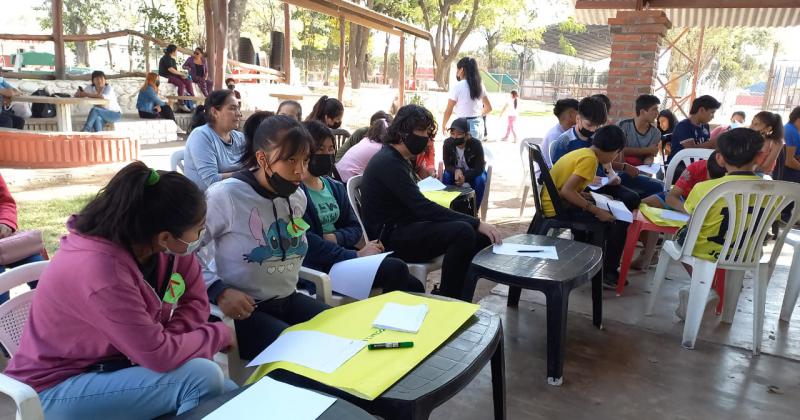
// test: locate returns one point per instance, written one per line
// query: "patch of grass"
(50, 216)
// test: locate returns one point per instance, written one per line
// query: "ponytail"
(774, 123)
(139, 203)
(325, 107)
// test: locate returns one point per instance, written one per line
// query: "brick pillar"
(636, 37)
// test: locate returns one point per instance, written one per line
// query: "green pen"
(400, 345)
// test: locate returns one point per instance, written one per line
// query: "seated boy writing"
(699, 171)
(571, 174)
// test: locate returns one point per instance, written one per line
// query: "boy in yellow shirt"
(571, 175)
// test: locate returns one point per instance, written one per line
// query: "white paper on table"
(651, 169)
(312, 349)
(397, 317)
(270, 399)
(601, 181)
(674, 215)
(517, 250)
(617, 208)
(354, 277)
(430, 184)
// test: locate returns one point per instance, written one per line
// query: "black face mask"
(459, 141)
(586, 133)
(320, 165)
(282, 186)
(231, 87)
(336, 125)
(415, 144)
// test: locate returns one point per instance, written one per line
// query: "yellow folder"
(442, 198)
(371, 372)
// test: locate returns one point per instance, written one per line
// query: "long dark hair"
(326, 107)
(137, 205)
(319, 133)
(254, 121)
(774, 122)
(279, 131)
(202, 113)
(294, 104)
(409, 118)
(670, 119)
(378, 129)
(515, 95)
(472, 76)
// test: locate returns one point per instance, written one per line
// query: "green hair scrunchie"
(153, 178)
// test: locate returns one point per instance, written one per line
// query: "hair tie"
(153, 178)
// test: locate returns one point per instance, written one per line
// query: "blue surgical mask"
(191, 247)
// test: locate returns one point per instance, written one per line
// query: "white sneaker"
(683, 301)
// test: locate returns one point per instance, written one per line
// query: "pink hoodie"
(92, 304)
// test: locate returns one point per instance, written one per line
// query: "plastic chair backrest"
(14, 312)
(687, 157)
(176, 160)
(748, 225)
(537, 160)
(340, 136)
(523, 152)
(354, 195)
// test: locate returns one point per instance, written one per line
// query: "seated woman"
(197, 66)
(291, 108)
(149, 105)
(335, 233)
(463, 159)
(214, 146)
(771, 128)
(356, 136)
(415, 228)
(328, 111)
(100, 115)
(118, 327)
(255, 239)
(8, 225)
(356, 159)
(168, 68)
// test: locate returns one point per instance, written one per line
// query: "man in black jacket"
(464, 162)
(415, 228)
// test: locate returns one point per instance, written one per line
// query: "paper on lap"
(617, 208)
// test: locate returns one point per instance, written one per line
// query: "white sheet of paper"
(312, 349)
(272, 400)
(617, 208)
(397, 317)
(674, 215)
(651, 169)
(430, 184)
(354, 277)
(603, 181)
(518, 250)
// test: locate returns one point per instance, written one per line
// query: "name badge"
(175, 289)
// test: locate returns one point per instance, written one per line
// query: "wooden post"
(402, 73)
(220, 41)
(697, 63)
(287, 44)
(58, 38)
(341, 57)
(208, 7)
(770, 79)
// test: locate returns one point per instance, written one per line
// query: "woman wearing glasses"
(197, 66)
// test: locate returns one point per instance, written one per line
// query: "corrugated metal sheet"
(593, 45)
(707, 17)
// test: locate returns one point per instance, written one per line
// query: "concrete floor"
(635, 367)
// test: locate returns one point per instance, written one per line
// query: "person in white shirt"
(566, 110)
(512, 114)
(468, 98)
(99, 116)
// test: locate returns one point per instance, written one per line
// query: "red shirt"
(8, 207)
(694, 173)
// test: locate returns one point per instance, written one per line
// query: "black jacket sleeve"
(478, 161)
(449, 155)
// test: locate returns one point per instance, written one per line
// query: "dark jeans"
(642, 184)
(166, 114)
(619, 192)
(33, 258)
(422, 241)
(9, 120)
(270, 318)
(393, 275)
(614, 237)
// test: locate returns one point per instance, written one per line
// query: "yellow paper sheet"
(654, 215)
(371, 372)
(442, 198)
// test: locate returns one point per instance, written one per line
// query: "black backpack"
(42, 110)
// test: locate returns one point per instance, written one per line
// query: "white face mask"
(191, 247)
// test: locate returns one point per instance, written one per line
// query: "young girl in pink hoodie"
(118, 327)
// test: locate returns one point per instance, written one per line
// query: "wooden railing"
(263, 73)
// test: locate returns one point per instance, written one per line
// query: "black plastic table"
(577, 264)
(437, 378)
(338, 411)
(465, 202)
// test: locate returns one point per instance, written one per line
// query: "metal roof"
(690, 14)
(592, 45)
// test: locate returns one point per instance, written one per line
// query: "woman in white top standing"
(468, 98)
(510, 109)
(100, 115)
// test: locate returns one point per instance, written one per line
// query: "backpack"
(42, 110)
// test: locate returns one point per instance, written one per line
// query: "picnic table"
(63, 107)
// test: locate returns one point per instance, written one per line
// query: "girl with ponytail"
(118, 325)
(468, 98)
(329, 111)
(770, 126)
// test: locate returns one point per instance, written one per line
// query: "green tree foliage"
(183, 36)
(450, 23)
(493, 25)
(79, 16)
(524, 38)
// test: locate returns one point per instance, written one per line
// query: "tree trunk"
(110, 56)
(82, 48)
(237, 10)
(357, 54)
(522, 60)
(386, 61)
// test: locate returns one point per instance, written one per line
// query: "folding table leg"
(557, 308)
(499, 380)
(597, 300)
(514, 294)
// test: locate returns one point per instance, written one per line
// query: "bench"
(27, 149)
(172, 99)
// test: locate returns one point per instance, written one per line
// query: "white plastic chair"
(687, 157)
(13, 317)
(793, 281)
(741, 251)
(418, 270)
(524, 183)
(237, 368)
(176, 160)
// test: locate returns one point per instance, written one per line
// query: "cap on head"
(460, 124)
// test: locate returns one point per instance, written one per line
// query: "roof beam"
(361, 15)
(687, 4)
